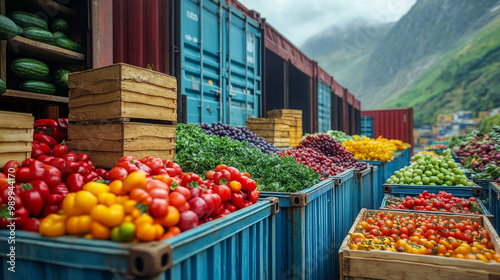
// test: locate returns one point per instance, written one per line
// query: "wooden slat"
(15, 147)
(32, 47)
(16, 120)
(270, 133)
(17, 156)
(33, 97)
(284, 113)
(51, 5)
(20, 137)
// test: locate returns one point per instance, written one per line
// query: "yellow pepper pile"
(379, 149)
(101, 211)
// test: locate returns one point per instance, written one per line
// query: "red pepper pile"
(443, 202)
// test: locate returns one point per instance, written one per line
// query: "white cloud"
(300, 19)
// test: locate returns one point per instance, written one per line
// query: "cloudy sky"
(300, 19)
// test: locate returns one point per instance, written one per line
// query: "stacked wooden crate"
(16, 136)
(122, 110)
(295, 117)
(276, 131)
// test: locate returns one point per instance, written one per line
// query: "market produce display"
(443, 202)
(425, 235)
(25, 20)
(320, 163)
(198, 152)
(432, 171)
(39, 34)
(332, 149)
(369, 149)
(436, 147)
(490, 172)
(339, 136)
(240, 134)
(8, 28)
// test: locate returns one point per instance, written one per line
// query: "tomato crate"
(495, 203)
(305, 232)
(357, 264)
(240, 245)
(16, 136)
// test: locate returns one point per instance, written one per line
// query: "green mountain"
(441, 57)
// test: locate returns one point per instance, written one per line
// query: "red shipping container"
(392, 123)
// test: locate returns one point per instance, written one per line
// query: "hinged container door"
(324, 107)
(220, 63)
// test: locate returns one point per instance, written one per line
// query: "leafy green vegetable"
(198, 152)
(491, 171)
(339, 136)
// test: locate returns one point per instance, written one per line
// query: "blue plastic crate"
(364, 189)
(243, 241)
(305, 232)
(396, 189)
(495, 204)
(485, 183)
(385, 170)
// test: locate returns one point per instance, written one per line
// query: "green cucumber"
(3, 87)
(29, 69)
(25, 19)
(60, 25)
(68, 44)
(8, 28)
(40, 35)
(61, 78)
(38, 87)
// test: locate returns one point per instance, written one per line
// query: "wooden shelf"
(13, 95)
(25, 45)
(50, 5)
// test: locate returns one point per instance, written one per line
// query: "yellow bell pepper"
(79, 203)
(116, 187)
(53, 225)
(134, 180)
(78, 225)
(147, 229)
(99, 231)
(95, 188)
(106, 198)
(122, 199)
(109, 216)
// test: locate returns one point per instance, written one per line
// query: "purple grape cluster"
(240, 134)
(332, 149)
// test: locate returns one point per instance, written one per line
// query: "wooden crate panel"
(16, 136)
(17, 156)
(122, 91)
(356, 264)
(284, 113)
(270, 133)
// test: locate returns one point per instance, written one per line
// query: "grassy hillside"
(466, 78)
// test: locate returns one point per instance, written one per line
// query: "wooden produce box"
(276, 131)
(295, 116)
(16, 136)
(106, 143)
(356, 264)
(122, 91)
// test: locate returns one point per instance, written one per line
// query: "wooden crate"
(356, 264)
(276, 131)
(106, 143)
(122, 91)
(295, 116)
(16, 136)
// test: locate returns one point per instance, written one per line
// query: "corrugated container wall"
(141, 33)
(324, 99)
(338, 106)
(392, 123)
(357, 116)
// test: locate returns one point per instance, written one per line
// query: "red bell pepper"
(60, 189)
(103, 173)
(153, 162)
(75, 182)
(128, 165)
(45, 159)
(83, 157)
(92, 177)
(11, 165)
(173, 169)
(91, 164)
(32, 225)
(57, 129)
(61, 164)
(34, 196)
(86, 166)
(60, 150)
(51, 142)
(142, 167)
(53, 176)
(36, 151)
(17, 217)
(35, 170)
(70, 157)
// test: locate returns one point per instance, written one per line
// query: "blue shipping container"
(367, 126)
(495, 204)
(364, 188)
(221, 54)
(324, 107)
(238, 246)
(305, 232)
(416, 190)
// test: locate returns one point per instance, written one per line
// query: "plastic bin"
(238, 246)
(305, 232)
(495, 203)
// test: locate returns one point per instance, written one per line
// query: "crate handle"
(386, 188)
(275, 204)
(337, 181)
(299, 199)
(149, 259)
(477, 191)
